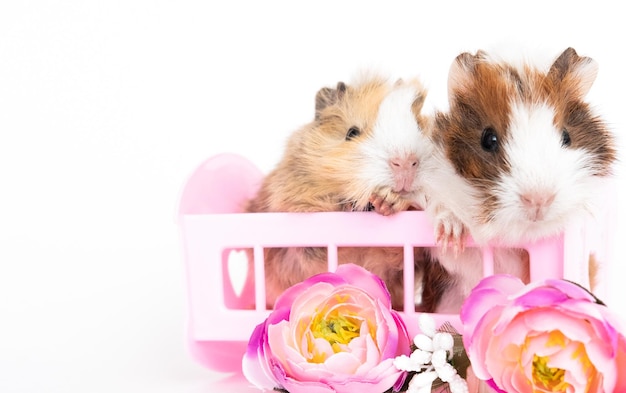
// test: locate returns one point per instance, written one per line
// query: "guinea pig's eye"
(565, 138)
(353, 132)
(489, 140)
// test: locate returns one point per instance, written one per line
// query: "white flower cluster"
(430, 360)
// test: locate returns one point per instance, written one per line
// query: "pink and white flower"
(548, 336)
(334, 332)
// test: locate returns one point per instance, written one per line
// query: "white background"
(106, 107)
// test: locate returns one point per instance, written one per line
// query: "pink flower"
(334, 332)
(549, 336)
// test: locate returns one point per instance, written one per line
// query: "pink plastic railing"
(225, 301)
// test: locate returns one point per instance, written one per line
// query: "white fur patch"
(540, 165)
(396, 129)
(395, 134)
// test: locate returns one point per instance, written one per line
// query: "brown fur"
(316, 174)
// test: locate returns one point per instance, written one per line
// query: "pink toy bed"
(220, 289)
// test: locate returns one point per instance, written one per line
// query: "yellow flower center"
(551, 378)
(336, 328)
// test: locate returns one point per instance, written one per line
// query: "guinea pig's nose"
(404, 170)
(536, 203)
(404, 163)
(537, 199)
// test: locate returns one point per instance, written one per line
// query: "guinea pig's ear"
(573, 72)
(461, 70)
(326, 97)
(418, 102)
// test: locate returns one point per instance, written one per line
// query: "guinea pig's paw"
(450, 231)
(381, 205)
(387, 204)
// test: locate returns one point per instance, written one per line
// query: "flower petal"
(539, 297)
(343, 363)
(371, 284)
(491, 292)
(573, 291)
(294, 386)
(286, 299)
(254, 365)
(620, 366)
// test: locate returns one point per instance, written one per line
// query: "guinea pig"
(362, 151)
(525, 156)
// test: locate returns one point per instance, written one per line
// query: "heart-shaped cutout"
(237, 270)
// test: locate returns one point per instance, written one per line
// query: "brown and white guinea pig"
(526, 156)
(361, 152)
